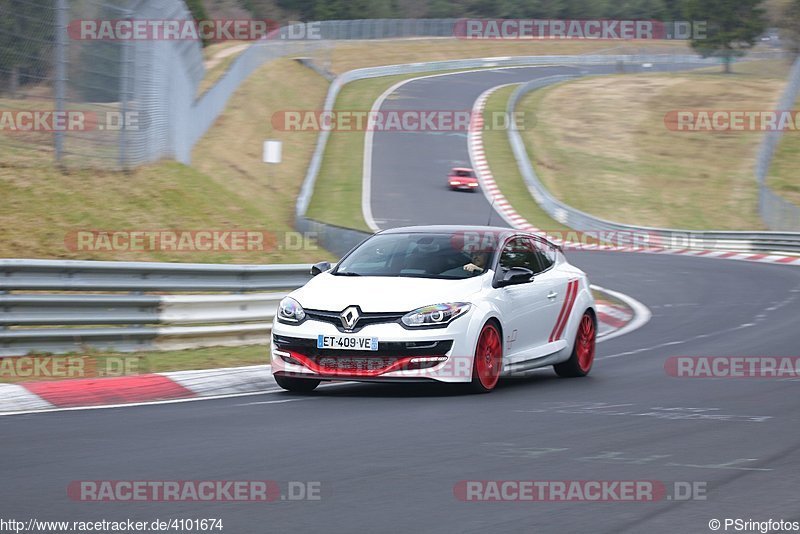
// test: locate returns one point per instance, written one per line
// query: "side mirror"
(515, 276)
(320, 267)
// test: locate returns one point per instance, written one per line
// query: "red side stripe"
(114, 390)
(561, 313)
(572, 287)
(569, 311)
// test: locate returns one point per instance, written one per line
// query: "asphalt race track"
(388, 457)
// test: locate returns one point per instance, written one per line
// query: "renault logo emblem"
(349, 317)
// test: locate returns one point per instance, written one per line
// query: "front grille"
(361, 363)
(391, 349)
(364, 320)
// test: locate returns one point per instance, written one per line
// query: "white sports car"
(437, 303)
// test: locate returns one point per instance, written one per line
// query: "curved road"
(388, 457)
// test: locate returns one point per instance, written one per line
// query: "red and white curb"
(493, 194)
(613, 316)
(137, 389)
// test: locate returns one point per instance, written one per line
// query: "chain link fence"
(116, 104)
(90, 102)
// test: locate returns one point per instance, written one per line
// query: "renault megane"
(437, 303)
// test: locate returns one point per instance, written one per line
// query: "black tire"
(296, 385)
(582, 357)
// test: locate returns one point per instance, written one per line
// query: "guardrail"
(766, 242)
(777, 212)
(69, 322)
(63, 317)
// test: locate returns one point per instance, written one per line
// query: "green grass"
(337, 194)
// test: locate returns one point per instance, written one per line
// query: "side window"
(545, 254)
(519, 252)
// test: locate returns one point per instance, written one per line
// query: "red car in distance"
(462, 179)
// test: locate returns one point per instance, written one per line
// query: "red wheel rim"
(585, 343)
(489, 357)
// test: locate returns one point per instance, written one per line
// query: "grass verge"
(227, 187)
(601, 145)
(344, 56)
(337, 194)
(504, 168)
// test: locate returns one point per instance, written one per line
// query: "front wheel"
(488, 361)
(582, 358)
(296, 385)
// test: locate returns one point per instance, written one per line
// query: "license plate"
(347, 342)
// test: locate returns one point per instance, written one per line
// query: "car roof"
(454, 228)
(461, 169)
(448, 229)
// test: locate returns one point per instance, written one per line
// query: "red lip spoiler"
(364, 373)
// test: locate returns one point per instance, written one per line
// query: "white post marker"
(272, 151)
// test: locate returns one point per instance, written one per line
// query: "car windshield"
(463, 174)
(421, 255)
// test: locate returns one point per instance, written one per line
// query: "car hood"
(383, 293)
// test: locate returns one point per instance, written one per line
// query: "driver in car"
(477, 263)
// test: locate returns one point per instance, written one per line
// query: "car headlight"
(435, 315)
(290, 311)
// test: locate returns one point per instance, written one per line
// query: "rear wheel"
(488, 361)
(296, 385)
(582, 358)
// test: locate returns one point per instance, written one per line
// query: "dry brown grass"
(601, 145)
(346, 56)
(228, 187)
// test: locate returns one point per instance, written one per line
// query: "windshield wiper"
(339, 273)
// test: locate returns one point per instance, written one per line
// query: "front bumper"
(464, 186)
(440, 354)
